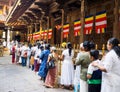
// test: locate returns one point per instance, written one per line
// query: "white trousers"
(83, 86)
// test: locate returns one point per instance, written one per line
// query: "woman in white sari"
(67, 67)
(110, 68)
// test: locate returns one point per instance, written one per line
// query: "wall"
(93, 8)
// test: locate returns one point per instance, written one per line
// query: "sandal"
(70, 88)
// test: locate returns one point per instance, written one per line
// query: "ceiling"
(4, 2)
(31, 11)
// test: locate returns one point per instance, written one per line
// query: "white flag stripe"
(86, 31)
(98, 31)
(66, 30)
(36, 36)
(76, 28)
(89, 25)
(101, 23)
(49, 33)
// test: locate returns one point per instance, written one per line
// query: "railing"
(76, 50)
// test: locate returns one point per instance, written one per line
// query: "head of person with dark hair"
(42, 48)
(113, 44)
(92, 45)
(94, 55)
(69, 46)
(38, 44)
(34, 44)
(86, 45)
(30, 46)
(47, 46)
(45, 42)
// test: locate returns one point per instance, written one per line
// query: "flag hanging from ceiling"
(29, 37)
(88, 25)
(42, 34)
(65, 30)
(45, 34)
(77, 27)
(36, 35)
(50, 34)
(100, 22)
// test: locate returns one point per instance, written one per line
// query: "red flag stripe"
(101, 26)
(87, 22)
(101, 19)
(77, 24)
(65, 28)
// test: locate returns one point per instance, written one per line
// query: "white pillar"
(8, 37)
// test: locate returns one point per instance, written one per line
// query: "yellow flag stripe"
(77, 22)
(66, 26)
(103, 30)
(88, 19)
(101, 16)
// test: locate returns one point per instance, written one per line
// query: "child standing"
(94, 74)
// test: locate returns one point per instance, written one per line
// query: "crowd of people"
(88, 73)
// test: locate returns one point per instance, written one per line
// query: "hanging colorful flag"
(36, 35)
(42, 34)
(100, 22)
(88, 25)
(65, 30)
(50, 34)
(77, 27)
(29, 36)
(45, 34)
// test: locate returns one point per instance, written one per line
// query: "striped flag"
(45, 34)
(36, 35)
(77, 27)
(50, 34)
(29, 37)
(42, 34)
(65, 30)
(100, 22)
(88, 25)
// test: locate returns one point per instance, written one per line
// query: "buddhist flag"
(65, 30)
(42, 34)
(100, 22)
(88, 25)
(50, 34)
(77, 27)
(36, 35)
(29, 37)
(45, 34)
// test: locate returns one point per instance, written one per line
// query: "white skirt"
(83, 86)
(67, 73)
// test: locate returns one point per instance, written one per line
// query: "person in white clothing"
(77, 72)
(67, 67)
(4, 44)
(110, 67)
(29, 55)
(23, 50)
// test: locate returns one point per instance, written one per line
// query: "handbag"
(51, 64)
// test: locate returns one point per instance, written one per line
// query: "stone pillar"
(47, 27)
(8, 37)
(82, 20)
(62, 25)
(53, 30)
(116, 31)
(28, 32)
(35, 27)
